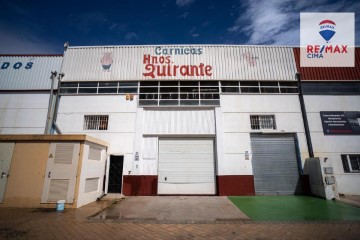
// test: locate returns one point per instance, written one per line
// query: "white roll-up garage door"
(186, 166)
(275, 164)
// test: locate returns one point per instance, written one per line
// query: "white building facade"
(332, 97)
(193, 119)
(208, 120)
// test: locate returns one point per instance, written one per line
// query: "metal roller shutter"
(275, 164)
(186, 166)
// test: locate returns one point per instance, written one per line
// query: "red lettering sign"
(162, 66)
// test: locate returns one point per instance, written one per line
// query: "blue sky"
(40, 26)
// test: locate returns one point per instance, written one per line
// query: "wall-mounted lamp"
(53, 74)
(61, 75)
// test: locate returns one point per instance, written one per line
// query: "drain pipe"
(104, 191)
(50, 106)
(101, 196)
(57, 128)
(304, 116)
(54, 126)
(61, 75)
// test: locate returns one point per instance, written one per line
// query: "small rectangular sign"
(340, 123)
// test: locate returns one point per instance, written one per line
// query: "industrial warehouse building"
(25, 90)
(208, 119)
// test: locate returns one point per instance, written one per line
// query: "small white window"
(263, 122)
(351, 163)
(96, 122)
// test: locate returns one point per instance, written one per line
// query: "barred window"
(263, 122)
(96, 122)
(351, 163)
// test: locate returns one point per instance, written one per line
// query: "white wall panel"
(331, 103)
(149, 156)
(262, 103)
(237, 165)
(97, 103)
(289, 122)
(91, 169)
(23, 113)
(348, 183)
(179, 122)
(24, 100)
(235, 146)
(18, 118)
(236, 122)
(314, 120)
(332, 144)
(236, 142)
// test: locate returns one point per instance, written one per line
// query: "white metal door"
(60, 175)
(186, 166)
(6, 153)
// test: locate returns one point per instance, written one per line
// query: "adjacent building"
(332, 100)
(25, 88)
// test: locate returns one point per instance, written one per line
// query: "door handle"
(49, 174)
(3, 173)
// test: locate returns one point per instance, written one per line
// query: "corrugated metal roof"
(228, 62)
(329, 73)
(28, 72)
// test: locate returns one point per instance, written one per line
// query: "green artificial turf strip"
(294, 208)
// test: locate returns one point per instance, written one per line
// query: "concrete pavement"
(179, 209)
(76, 224)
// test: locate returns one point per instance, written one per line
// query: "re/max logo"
(317, 51)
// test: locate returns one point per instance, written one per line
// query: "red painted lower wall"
(231, 185)
(140, 185)
(236, 185)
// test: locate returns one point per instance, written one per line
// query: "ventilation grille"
(58, 189)
(64, 153)
(94, 154)
(91, 184)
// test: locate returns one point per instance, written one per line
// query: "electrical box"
(330, 180)
(328, 170)
(322, 179)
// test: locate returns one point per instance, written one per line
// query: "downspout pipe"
(61, 75)
(49, 113)
(304, 116)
